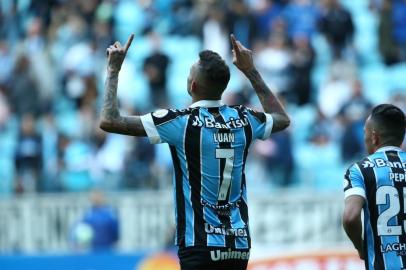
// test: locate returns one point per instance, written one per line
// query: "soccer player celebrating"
(209, 144)
(377, 184)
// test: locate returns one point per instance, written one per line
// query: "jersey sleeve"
(164, 126)
(261, 124)
(354, 182)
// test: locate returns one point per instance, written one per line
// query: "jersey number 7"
(228, 155)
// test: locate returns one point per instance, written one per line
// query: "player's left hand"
(116, 54)
(242, 57)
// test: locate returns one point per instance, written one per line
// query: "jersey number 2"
(382, 195)
(228, 155)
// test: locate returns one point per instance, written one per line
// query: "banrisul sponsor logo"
(208, 122)
(196, 122)
(232, 123)
(222, 255)
(380, 162)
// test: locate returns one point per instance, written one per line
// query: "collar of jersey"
(207, 103)
(388, 148)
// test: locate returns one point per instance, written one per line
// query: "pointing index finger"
(240, 46)
(234, 43)
(128, 43)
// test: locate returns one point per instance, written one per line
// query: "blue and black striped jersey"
(381, 179)
(209, 145)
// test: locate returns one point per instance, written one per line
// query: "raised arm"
(111, 120)
(242, 59)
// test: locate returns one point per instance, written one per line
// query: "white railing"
(43, 223)
(307, 217)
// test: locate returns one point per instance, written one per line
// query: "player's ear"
(193, 87)
(375, 138)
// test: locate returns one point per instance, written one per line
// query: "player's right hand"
(242, 57)
(116, 54)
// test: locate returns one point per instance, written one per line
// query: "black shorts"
(213, 258)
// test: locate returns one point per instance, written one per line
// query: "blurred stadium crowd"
(330, 60)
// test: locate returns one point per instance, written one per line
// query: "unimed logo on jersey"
(238, 232)
(220, 255)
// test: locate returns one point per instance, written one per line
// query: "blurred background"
(75, 197)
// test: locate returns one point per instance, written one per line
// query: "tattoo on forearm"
(110, 109)
(268, 100)
(110, 115)
(260, 88)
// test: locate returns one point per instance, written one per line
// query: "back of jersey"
(209, 147)
(381, 179)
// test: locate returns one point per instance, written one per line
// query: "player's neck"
(196, 99)
(388, 144)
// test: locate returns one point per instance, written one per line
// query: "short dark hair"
(390, 121)
(214, 69)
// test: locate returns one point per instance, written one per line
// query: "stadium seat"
(375, 82)
(396, 78)
(320, 166)
(302, 117)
